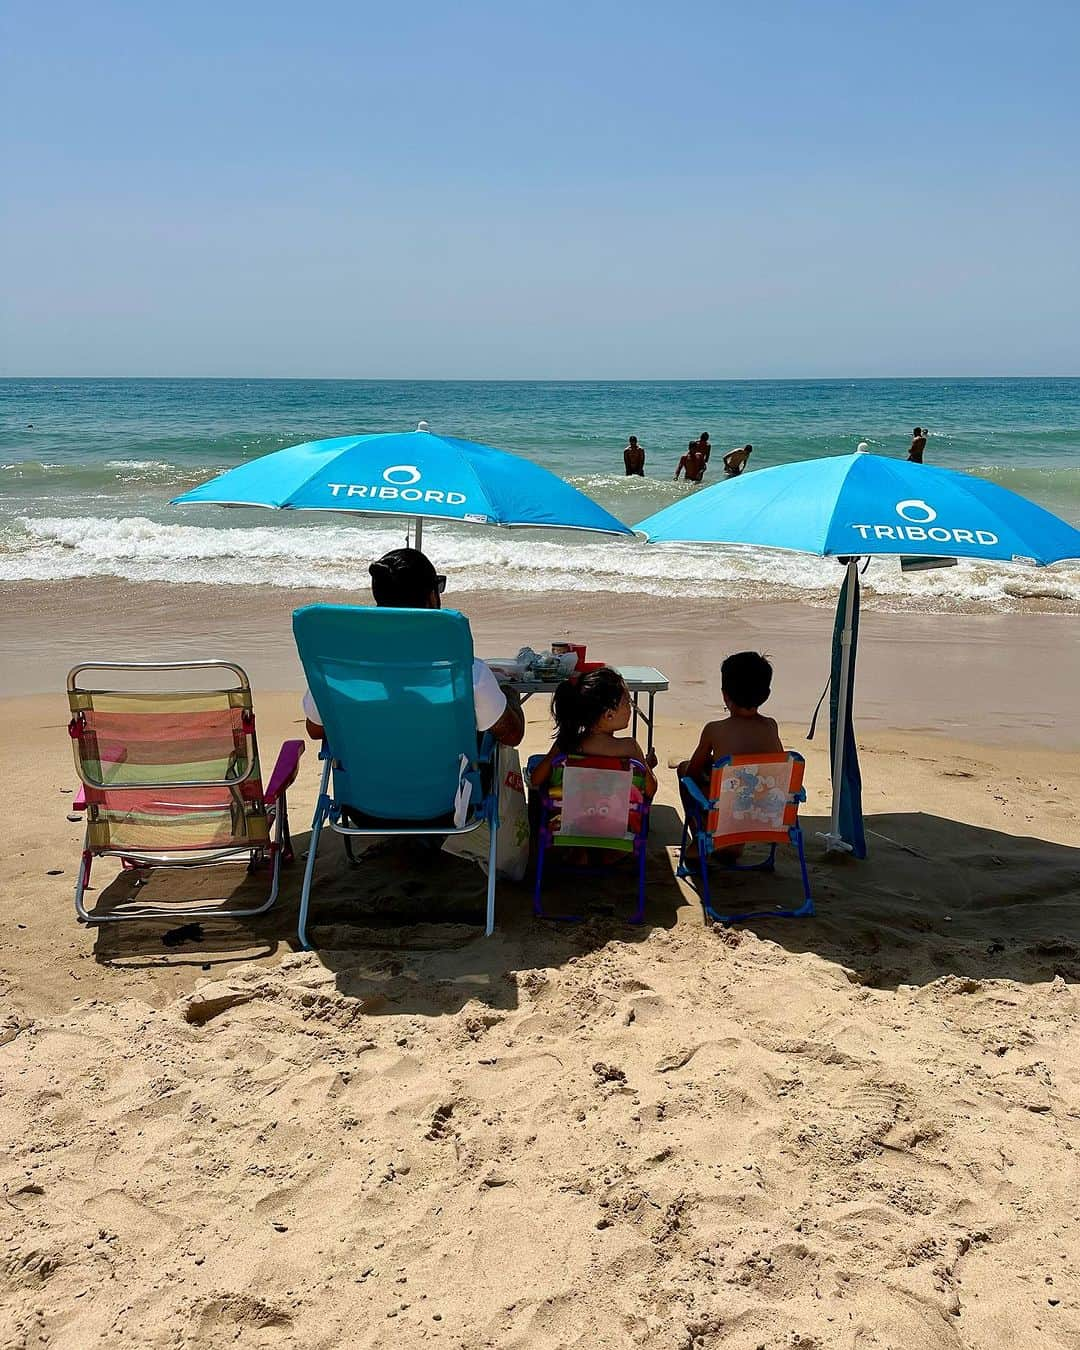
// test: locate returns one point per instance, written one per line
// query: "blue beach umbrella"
(857, 506)
(413, 474)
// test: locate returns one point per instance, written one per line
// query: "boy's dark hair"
(580, 702)
(404, 578)
(746, 678)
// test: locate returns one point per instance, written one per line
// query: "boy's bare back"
(740, 735)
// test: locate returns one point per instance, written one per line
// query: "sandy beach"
(858, 1131)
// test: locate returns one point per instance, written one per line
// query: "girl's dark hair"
(581, 701)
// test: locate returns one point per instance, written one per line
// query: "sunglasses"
(440, 584)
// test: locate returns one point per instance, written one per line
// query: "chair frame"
(695, 823)
(546, 841)
(331, 812)
(274, 798)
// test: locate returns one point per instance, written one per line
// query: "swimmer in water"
(735, 461)
(634, 459)
(917, 446)
(692, 463)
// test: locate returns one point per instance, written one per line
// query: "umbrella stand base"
(834, 843)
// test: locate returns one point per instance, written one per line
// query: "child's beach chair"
(171, 779)
(592, 802)
(752, 799)
(394, 691)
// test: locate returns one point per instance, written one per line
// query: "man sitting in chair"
(404, 578)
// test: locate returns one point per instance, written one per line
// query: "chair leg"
(767, 864)
(489, 923)
(81, 883)
(682, 870)
(808, 900)
(706, 897)
(309, 871)
(640, 914)
(538, 903)
(284, 833)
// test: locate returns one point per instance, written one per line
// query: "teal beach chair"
(400, 756)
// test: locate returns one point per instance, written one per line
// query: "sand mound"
(692, 1139)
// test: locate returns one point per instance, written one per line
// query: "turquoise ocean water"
(87, 468)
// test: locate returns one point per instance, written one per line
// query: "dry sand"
(855, 1131)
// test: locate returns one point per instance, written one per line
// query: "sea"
(87, 468)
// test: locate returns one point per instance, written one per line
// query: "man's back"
(918, 445)
(692, 464)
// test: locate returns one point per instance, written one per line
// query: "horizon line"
(551, 379)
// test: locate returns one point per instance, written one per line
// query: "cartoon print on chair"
(596, 802)
(752, 798)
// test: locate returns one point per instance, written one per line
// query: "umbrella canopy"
(864, 505)
(412, 474)
(861, 505)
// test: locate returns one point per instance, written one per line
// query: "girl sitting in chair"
(589, 710)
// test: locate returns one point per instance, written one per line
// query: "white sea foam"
(335, 555)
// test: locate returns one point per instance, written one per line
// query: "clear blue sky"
(587, 190)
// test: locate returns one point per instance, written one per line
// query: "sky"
(593, 190)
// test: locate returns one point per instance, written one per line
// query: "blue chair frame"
(695, 823)
(359, 767)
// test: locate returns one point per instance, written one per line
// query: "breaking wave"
(336, 555)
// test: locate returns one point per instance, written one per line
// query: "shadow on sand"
(399, 929)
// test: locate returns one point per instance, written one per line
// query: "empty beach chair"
(753, 799)
(172, 779)
(394, 691)
(591, 802)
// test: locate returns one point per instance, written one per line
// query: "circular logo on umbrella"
(915, 510)
(403, 475)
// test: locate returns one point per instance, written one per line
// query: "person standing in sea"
(692, 463)
(735, 461)
(634, 458)
(917, 446)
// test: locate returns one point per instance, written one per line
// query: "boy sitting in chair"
(745, 682)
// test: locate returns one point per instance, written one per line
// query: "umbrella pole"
(834, 841)
(418, 533)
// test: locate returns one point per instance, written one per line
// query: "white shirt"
(489, 699)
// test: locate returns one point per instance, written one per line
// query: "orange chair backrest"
(755, 799)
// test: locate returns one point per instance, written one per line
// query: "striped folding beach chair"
(592, 802)
(753, 799)
(172, 779)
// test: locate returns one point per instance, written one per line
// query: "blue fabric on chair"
(395, 695)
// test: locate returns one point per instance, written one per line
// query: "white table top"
(639, 680)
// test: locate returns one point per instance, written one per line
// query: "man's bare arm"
(510, 728)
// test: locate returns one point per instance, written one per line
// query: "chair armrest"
(285, 770)
(695, 794)
(78, 802)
